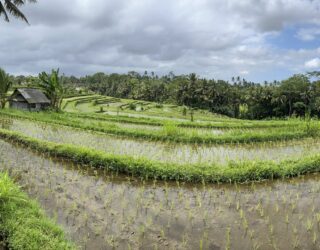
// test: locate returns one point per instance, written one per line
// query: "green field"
(134, 108)
(128, 174)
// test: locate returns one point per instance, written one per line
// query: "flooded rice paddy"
(149, 128)
(165, 152)
(101, 211)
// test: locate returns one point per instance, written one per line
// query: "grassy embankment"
(287, 130)
(24, 224)
(217, 124)
(233, 172)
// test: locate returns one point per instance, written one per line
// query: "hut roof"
(31, 95)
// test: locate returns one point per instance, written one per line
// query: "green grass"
(69, 100)
(158, 114)
(233, 172)
(23, 222)
(291, 132)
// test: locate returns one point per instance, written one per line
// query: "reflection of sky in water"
(180, 153)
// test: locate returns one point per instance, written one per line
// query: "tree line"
(296, 96)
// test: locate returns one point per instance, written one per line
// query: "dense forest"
(296, 96)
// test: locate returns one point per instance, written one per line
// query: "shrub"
(184, 111)
(159, 106)
(132, 106)
(170, 129)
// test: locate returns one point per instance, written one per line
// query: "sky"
(255, 39)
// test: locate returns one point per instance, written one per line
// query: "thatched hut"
(29, 99)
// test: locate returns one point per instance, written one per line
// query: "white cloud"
(273, 15)
(210, 37)
(313, 63)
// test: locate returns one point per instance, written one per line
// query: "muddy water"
(165, 152)
(99, 211)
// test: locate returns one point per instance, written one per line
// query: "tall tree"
(12, 7)
(5, 84)
(296, 93)
(52, 84)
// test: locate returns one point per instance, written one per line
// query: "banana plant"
(52, 85)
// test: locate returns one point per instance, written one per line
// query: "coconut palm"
(5, 84)
(12, 7)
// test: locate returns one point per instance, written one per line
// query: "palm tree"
(12, 7)
(5, 84)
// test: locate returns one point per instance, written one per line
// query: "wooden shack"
(29, 99)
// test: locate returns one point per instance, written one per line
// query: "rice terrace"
(144, 160)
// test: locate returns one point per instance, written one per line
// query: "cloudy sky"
(256, 39)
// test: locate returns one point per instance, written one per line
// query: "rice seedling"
(175, 185)
(170, 131)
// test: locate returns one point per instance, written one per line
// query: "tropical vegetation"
(295, 96)
(52, 85)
